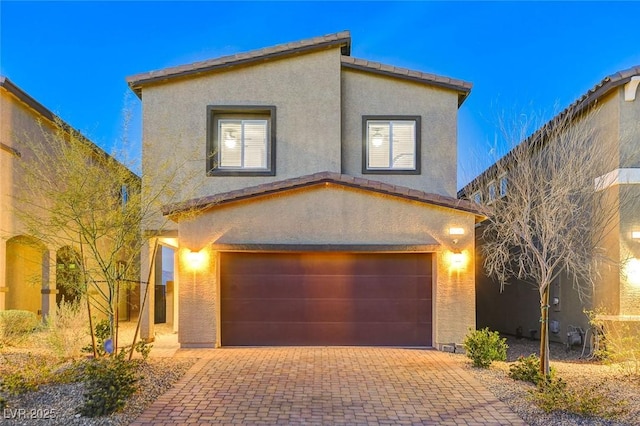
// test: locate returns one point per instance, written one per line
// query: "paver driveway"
(326, 385)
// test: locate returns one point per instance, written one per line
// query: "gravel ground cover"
(576, 371)
(58, 404)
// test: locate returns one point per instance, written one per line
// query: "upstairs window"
(391, 145)
(492, 192)
(503, 185)
(477, 197)
(241, 141)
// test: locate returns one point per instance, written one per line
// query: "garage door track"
(326, 385)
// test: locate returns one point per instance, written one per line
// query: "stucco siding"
(329, 214)
(370, 94)
(304, 89)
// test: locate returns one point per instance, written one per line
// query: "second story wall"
(366, 94)
(304, 91)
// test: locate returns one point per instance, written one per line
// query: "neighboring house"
(322, 206)
(618, 290)
(30, 269)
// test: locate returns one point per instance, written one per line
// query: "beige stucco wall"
(327, 214)
(371, 94)
(305, 90)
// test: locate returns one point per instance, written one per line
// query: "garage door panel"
(326, 310)
(327, 263)
(324, 334)
(269, 286)
(326, 299)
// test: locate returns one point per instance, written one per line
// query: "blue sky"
(537, 58)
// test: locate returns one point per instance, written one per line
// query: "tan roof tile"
(136, 82)
(317, 179)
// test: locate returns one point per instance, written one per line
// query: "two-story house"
(321, 206)
(33, 271)
(614, 115)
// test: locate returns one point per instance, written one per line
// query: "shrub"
(109, 381)
(67, 330)
(553, 394)
(617, 342)
(484, 347)
(143, 348)
(26, 376)
(526, 369)
(102, 332)
(15, 324)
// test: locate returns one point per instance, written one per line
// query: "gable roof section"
(462, 87)
(342, 39)
(605, 86)
(320, 179)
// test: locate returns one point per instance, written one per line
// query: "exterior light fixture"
(376, 140)
(230, 140)
(632, 269)
(456, 231)
(635, 235)
(196, 260)
(457, 259)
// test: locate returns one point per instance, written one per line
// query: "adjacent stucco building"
(616, 122)
(316, 202)
(31, 269)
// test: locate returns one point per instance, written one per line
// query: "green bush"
(484, 347)
(15, 324)
(27, 376)
(526, 369)
(553, 394)
(143, 348)
(109, 381)
(102, 332)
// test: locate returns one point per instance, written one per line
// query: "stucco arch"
(68, 275)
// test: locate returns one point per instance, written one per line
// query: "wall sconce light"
(196, 260)
(457, 259)
(456, 231)
(632, 270)
(635, 235)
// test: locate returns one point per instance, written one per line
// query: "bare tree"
(555, 215)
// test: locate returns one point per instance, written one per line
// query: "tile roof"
(318, 179)
(342, 39)
(592, 96)
(463, 87)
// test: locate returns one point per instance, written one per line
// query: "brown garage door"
(325, 299)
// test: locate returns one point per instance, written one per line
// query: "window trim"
(503, 190)
(418, 142)
(212, 143)
(477, 197)
(492, 197)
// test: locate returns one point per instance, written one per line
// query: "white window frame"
(503, 186)
(477, 197)
(492, 191)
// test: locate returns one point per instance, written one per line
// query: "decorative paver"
(326, 385)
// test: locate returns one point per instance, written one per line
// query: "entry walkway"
(326, 385)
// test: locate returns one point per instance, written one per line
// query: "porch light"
(376, 140)
(457, 259)
(230, 140)
(632, 270)
(635, 235)
(196, 260)
(456, 231)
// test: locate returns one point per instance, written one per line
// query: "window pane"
(230, 144)
(403, 144)
(255, 143)
(378, 144)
